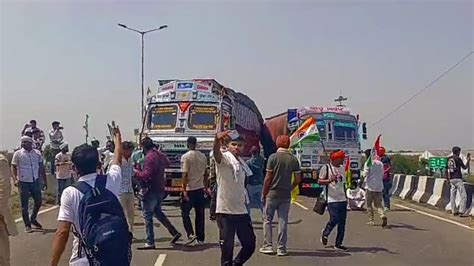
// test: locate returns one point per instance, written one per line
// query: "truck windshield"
(202, 117)
(344, 130)
(162, 117)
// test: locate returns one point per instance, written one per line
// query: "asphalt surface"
(410, 239)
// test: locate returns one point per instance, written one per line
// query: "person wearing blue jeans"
(153, 188)
(152, 207)
(387, 178)
(255, 181)
(332, 177)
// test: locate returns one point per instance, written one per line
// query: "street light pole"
(142, 33)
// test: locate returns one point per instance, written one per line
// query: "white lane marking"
(160, 260)
(300, 205)
(434, 216)
(40, 212)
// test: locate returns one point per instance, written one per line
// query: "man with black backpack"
(92, 209)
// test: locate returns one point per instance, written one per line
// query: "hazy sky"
(61, 60)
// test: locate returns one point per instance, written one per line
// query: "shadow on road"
(161, 239)
(143, 224)
(369, 250)
(404, 226)
(317, 253)
(189, 248)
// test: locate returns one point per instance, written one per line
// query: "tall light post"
(142, 33)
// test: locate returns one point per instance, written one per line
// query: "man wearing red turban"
(276, 195)
(332, 177)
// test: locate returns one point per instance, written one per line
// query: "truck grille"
(175, 158)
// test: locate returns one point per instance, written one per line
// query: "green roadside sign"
(438, 162)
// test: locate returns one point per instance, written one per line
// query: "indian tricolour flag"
(307, 132)
(374, 153)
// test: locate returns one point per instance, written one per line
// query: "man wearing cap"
(277, 194)
(27, 169)
(7, 223)
(194, 169)
(56, 139)
(255, 181)
(332, 177)
(63, 164)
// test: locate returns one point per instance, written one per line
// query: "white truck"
(200, 108)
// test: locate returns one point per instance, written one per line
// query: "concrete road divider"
(426, 189)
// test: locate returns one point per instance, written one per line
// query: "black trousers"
(229, 225)
(196, 201)
(337, 216)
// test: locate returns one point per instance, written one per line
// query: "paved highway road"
(411, 239)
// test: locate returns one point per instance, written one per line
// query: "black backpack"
(103, 229)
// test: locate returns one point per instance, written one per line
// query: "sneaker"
(282, 253)
(36, 225)
(146, 247)
(464, 215)
(266, 250)
(28, 229)
(340, 248)
(199, 243)
(191, 239)
(384, 221)
(386, 209)
(175, 238)
(324, 240)
(371, 223)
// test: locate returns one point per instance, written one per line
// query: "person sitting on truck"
(255, 181)
(194, 169)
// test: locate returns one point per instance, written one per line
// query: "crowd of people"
(127, 177)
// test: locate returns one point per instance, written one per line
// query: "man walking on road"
(7, 223)
(127, 198)
(231, 210)
(27, 169)
(373, 177)
(63, 164)
(85, 159)
(387, 178)
(277, 194)
(194, 169)
(153, 176)
(455, 164)
(332, 176)
(255, 181)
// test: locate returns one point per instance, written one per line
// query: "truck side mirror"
(364, 130)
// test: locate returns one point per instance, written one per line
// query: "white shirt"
(195, 164)
(56, 138)
(231, 192)
(63, 170)
(28, 164)
(70, 200)
(335, 190)
(357, 196)
(374, 176)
